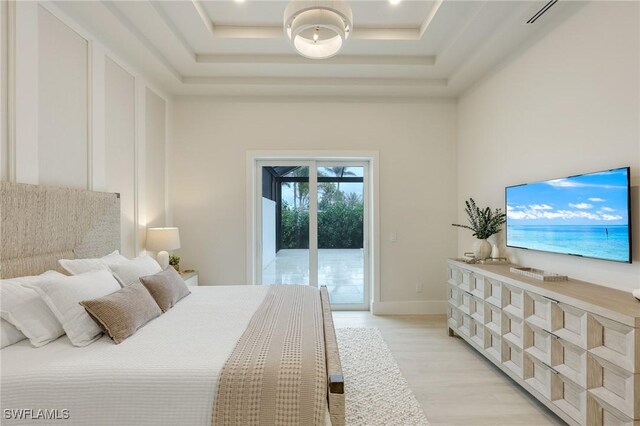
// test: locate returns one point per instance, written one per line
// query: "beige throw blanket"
(276, 374)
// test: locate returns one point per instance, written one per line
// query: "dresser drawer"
(465, 279)
(537, 343)
(614, 385)
(513, 300)
(571, 324)
(614, 342)
(464, 325)
(599, 413)
(493, 292)
(465, 302)
(512, 329)
(492, 344)
(512, 357)
(477, 334)
(454, 295)
(566, 358)
(478, 286)
(569, 360)
(477, 309)
(537, 375)
(538, 310)
(569, 397)
(454, 316)
(493, 318)
(453, 275)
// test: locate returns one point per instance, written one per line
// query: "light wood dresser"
(572, 344)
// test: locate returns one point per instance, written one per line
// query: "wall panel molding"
(23, 102)
(140, 220)
(9, 159)
(98, 171)
(64, 100)
(119, 136)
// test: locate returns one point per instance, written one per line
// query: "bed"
(222, 355)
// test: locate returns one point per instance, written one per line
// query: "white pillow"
(80, 266)
(130, 272)
(21, 306)
(9, 334)
(63, 296)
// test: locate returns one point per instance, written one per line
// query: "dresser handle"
(554, 301)
(554, 371)
(555, 336)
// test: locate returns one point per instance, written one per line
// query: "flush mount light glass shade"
(318, 30)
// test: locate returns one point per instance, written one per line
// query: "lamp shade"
(160, 239)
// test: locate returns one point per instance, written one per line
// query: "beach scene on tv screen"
(585, 215)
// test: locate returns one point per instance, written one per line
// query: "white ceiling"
(225, 47)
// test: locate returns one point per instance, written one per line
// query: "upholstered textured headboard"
(41, 224)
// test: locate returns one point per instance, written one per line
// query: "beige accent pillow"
(123, 312)
(167, 288)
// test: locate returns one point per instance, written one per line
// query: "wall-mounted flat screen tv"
(586, 215)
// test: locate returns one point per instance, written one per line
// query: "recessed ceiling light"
(394, 2)
(239, 1)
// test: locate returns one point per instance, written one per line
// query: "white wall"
(78, 119)
(417, 149)
(569, 104)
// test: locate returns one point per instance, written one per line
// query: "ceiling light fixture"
(394, 2)
(319, 29)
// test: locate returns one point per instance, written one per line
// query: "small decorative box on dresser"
(572, 344)
(190, 278)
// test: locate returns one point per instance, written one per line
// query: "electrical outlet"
(419, 288)
(394, 237)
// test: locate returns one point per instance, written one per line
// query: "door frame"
(254, 210)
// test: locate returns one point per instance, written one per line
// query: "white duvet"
(165, 374)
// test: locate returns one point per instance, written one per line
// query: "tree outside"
(340, 216)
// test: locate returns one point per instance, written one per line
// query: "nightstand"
(190, 278)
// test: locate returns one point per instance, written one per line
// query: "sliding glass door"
(313, 227)
(341, 232)
(285, 223)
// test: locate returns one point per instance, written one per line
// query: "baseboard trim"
(412, 307)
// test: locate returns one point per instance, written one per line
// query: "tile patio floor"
(341, 270)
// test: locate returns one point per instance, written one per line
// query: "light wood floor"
(454, 384)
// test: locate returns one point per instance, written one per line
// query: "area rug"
(376, 392)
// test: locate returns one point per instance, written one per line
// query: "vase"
(481, 249)
(495, 252)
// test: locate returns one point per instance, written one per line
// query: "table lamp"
(162, 240)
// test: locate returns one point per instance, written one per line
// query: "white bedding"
(165, 374)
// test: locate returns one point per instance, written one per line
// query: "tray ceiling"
(414, 48)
